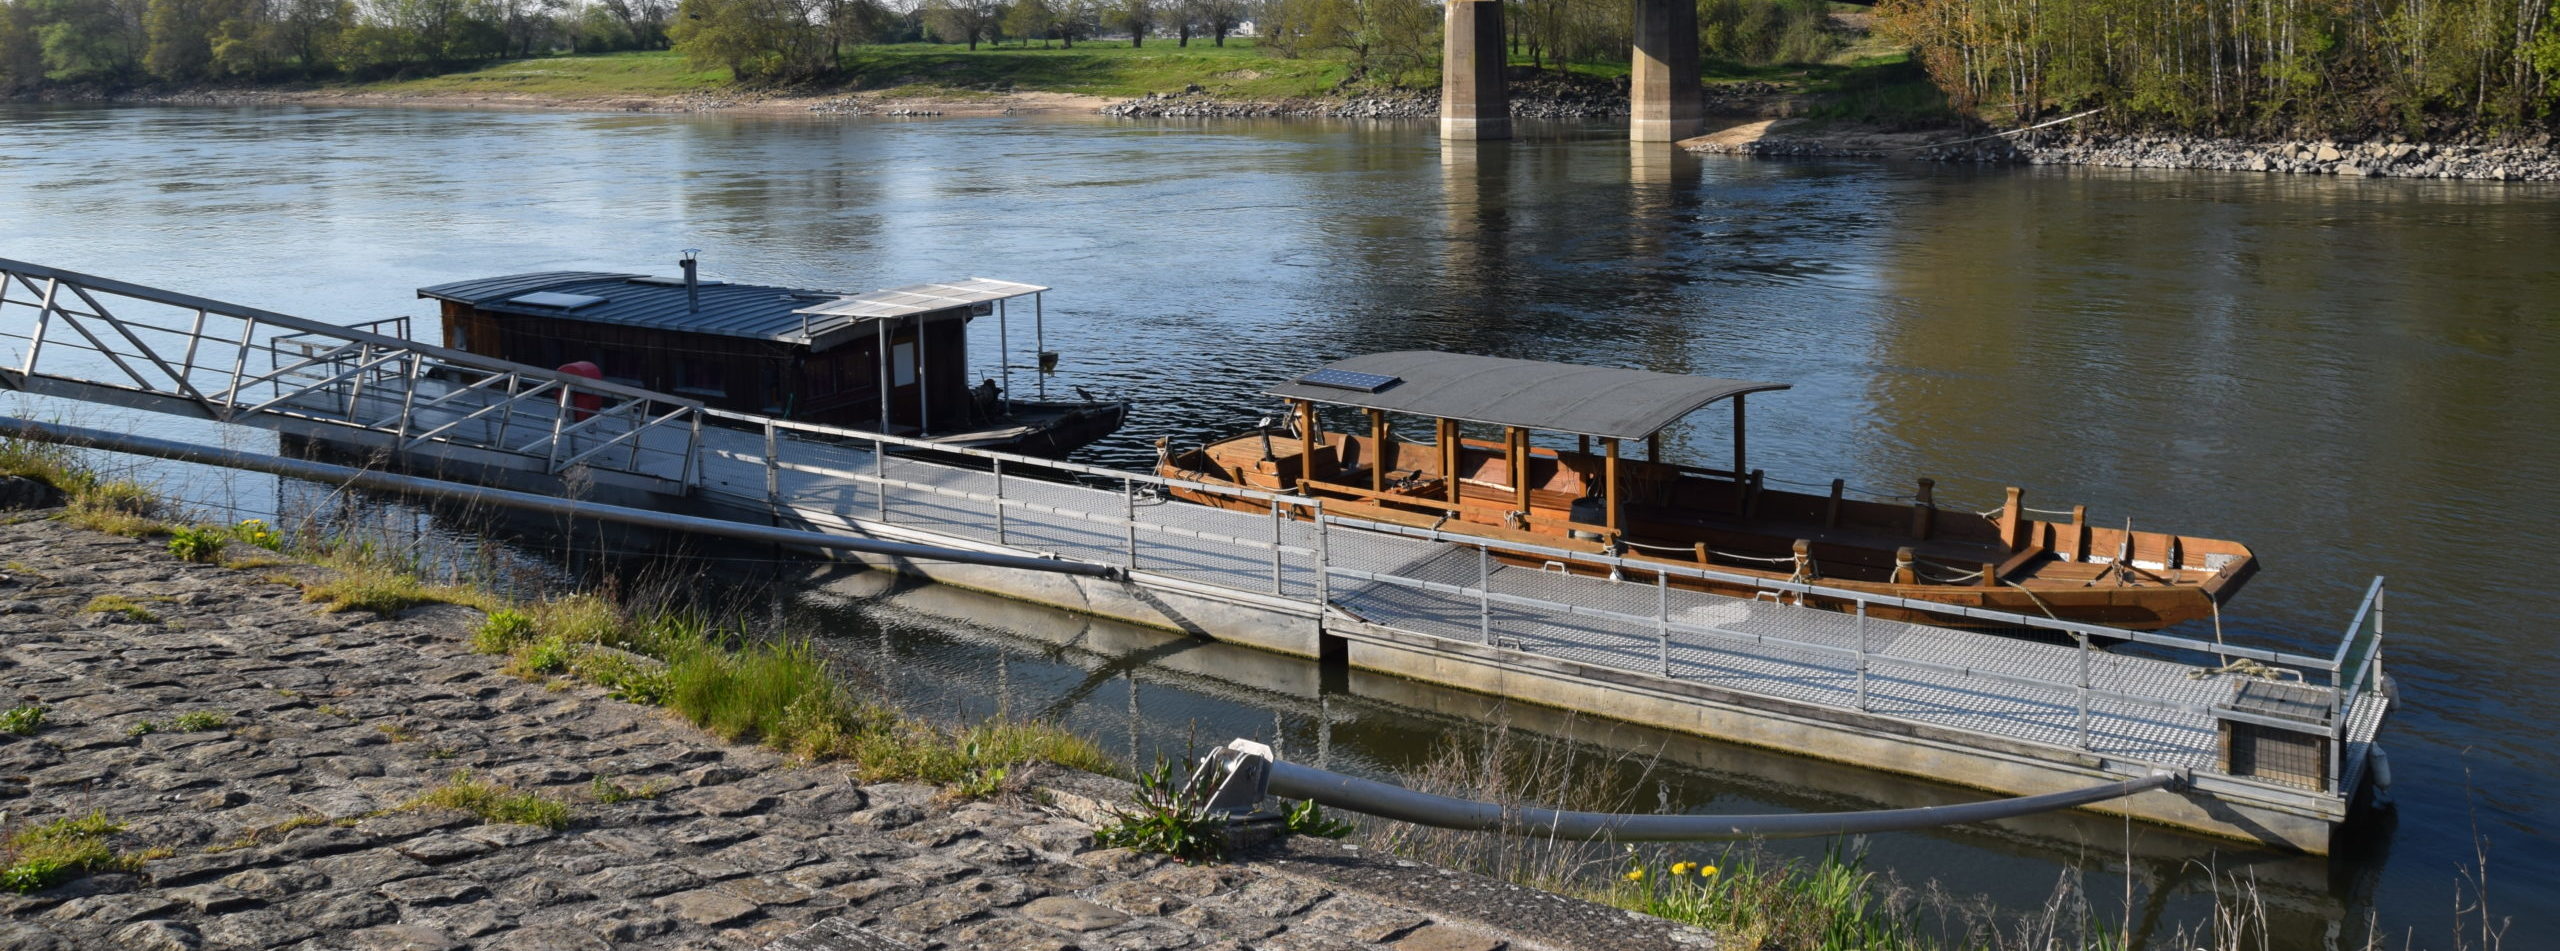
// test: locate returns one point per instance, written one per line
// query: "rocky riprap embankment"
(287, 826)
(2530, 160)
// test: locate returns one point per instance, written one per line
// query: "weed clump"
(1167, 819)
(199, 545)
(502, 631)
(42, 856)
(122, 607)
(494, 803)
(118, 507)
(24, 719)
(199, 721)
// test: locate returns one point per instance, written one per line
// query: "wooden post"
(1582, 445)
(1903, 573)
(1653, 448)
(1924, 509)
(2079, 533)
(2013, 520)
(1308, 440)
(1702, 553)
(1751, 495)
(1609, 481)
(1831, 512)
(1378, 453)
(1449, 454)
(1515, 453)
(1990, 575)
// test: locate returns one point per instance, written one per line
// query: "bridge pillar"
(1473, 102)
(1663, 87)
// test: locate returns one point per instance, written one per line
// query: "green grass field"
(1885, 87)
(566, 77)
(1237, 70)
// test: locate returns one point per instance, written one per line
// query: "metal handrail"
(1486, 595)
(1820, 591)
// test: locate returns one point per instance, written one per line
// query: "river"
(2353, 377)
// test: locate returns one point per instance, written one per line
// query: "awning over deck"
(1552, 397)
(921, 299)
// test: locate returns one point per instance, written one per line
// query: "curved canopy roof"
(1555, 397)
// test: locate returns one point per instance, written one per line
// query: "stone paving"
(286, 827)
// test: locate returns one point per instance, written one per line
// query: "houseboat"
(893, 361)
(1507, 491)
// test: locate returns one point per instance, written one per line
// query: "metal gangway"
(2162, 703)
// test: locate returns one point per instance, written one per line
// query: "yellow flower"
(1706, 870)
(1682, 868)
(1635, 875)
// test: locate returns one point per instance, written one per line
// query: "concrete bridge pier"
(1664, 99)
(1473, 102)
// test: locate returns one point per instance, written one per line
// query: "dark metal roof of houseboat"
(1554, 397)
(781, 314)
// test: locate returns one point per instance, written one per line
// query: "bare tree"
(1138, 17)
(963, 21)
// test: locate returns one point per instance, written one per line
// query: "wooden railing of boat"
(2006, 559)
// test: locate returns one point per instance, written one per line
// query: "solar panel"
(1349, 380)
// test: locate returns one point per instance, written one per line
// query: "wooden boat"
(1649, 510)
(893, 361)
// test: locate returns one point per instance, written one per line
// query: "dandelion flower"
(1706, 870)
(1682, 868)
(1635, 875)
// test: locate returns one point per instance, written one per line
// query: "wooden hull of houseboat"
(1678, 515)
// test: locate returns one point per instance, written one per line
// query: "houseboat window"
(775, 401)
(700, 377)
(902, 364)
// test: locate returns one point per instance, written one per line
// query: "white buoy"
(2381, 766)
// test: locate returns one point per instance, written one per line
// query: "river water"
(2353, 377)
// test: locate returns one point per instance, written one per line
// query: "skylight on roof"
(556, 300)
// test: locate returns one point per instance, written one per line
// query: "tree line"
(115, 43)
(2281, 67)
(120, 42)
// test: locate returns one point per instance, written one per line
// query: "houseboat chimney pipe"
(692, 283)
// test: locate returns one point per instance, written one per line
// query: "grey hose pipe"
(393, 482)
(1404, 805)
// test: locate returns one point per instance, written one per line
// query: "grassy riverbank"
(1863, 84)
